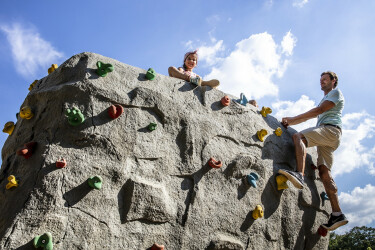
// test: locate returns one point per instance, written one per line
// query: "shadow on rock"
(142, 77)
(73, 196)
(249, 220)
(29, 245)
(101, 118)
(217, 106)
(271, 196)
(124, 199)
(93, 74)
(306, 239)
(243, 188)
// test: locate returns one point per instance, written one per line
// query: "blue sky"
(273, 51)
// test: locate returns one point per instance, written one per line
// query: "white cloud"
(249, 69)
(358, 206)
(288, 43)
(30, 52)
(299, 3)
(208, 54)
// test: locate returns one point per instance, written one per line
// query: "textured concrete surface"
(157, 185)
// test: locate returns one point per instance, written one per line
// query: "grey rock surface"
(157, 185)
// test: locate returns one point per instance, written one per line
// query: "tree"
(356, 238)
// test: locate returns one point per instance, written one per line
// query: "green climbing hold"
(75, 117)
(151, 74)
(95, 182)
(43, 241)
(103, 68)
(151, 126)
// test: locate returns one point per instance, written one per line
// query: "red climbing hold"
(61, 163)
(115, 111)
(214, 163)
(157, 247)
(313, 166)
(322, 231)
(225, 101)
(27, 150)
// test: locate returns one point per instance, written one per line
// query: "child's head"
(190, 60)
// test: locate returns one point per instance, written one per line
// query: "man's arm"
(325, 106)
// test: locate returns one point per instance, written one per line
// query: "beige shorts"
(326, 139)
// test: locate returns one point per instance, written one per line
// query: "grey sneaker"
(335, 222)
(295, 178)
(196, 80)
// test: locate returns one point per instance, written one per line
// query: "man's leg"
(300, 149)
(330, 187)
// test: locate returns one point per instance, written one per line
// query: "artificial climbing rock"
(214, 163)
(95, 182)
(53, 68)
(103, 68)
(151, 74)
(257, 212)
(151, 126)
(281, 182)
(225, 101)
(75, 117)
(157, 247)
(242, 100)
(278, 131)
(27, 150)
(26, 113)
(261, 134)
(114, 111)
(32, 85)
(12, 182)
(61, 163)
(265, 111)
(9, 128)
(252, 179)
(43, 241)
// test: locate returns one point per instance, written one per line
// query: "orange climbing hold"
(157, 247)
(225, 101)
(27, 150)
(313, 166)
(261, 134)
(115, 111)
(61, 163)
(12, 182)
(214, 163)
(322, 231)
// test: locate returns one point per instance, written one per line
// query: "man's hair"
(332, 75)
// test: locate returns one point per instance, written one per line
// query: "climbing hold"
(322, 231)
(252, 179)
(242, 100)
(261, 134)
(324, 196)
(151, 74)
(8, 128)
(32, 85)
(53, 68)
(281, 182)
(27, 150)
(151, 126)
(258, 212)
(278, 131)
(95, 182)
(75, 117)
(103, 68)
(225, 101)
(265, 111)
(313, 166)
(61, 163)
(12, 182)
(44, 241)
(26, 113)
(115, 111)
(214, 163)
(157, 247)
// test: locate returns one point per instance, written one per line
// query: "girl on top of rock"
(186, 71)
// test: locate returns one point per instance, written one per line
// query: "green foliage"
(357, 238)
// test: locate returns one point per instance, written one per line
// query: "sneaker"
(335, 222)
(196, 80)
(295, 178)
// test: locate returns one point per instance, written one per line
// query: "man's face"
(326, 83)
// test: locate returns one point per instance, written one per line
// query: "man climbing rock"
(326, 137)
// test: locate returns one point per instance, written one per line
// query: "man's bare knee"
(298, 137)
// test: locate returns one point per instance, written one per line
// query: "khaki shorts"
(326, 139)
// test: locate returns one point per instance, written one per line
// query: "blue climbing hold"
(324, 196)
(252, 179)
(242, 100)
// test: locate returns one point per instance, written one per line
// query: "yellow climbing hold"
(258, 212)
(32, 85)
(278, 131)
(53, 68)
(265, 111)
(261, 134)
(281, 182)
(26, 113)
(12, 182)
(8, 128)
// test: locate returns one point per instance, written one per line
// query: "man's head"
(332, 76)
